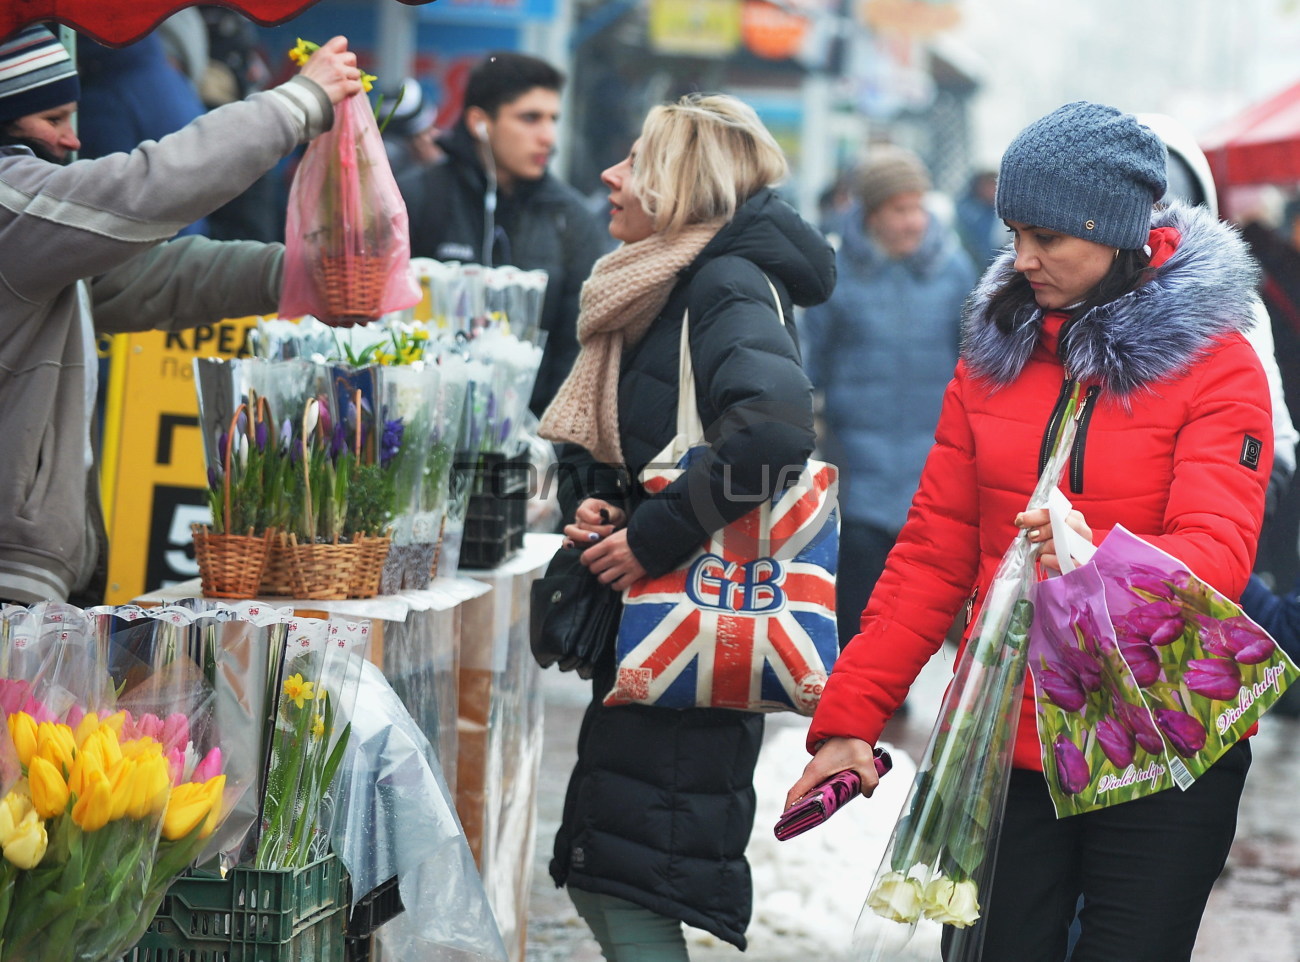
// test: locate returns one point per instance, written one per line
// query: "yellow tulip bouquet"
(95, 830)
(100, 806)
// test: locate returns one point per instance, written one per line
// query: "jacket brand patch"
(1251, 449)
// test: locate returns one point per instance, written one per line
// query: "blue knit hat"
(1086, 170)
(36, 74)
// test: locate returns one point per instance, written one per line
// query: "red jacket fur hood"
(1176, 445)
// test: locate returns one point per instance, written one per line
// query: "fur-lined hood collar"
(1203, 291)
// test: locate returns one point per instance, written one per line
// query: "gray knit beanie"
(889, 171)
(1086, 170)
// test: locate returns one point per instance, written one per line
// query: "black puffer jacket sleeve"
(756, 406)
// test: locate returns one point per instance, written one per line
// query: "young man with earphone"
(492, 201)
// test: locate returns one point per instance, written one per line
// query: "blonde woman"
(661, 802)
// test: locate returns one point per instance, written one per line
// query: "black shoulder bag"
(574, 618)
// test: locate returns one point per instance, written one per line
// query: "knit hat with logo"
(888, 172)
(1086, 170)
(36, 74)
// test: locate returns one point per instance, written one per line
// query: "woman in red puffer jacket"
(1143, 309)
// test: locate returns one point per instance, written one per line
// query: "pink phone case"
(826, 799)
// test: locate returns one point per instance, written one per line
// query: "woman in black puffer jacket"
(661, 803)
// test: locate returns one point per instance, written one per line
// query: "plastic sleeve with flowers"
(408, 397)
(939, 859)
(514, 365)
(317, 674)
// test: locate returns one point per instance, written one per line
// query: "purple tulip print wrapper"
(1144, 675)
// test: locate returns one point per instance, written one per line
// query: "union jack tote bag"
(748, 622)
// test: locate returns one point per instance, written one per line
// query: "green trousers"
(627, 932)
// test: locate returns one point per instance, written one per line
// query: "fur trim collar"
(1204, 291)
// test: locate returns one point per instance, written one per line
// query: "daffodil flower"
(367, 81)
(318, 725)
(298, 691)
(302, 51)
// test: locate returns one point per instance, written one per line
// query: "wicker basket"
(372, 553)
(353, 285)
(323, 572)
(230, 565)
(277, 576)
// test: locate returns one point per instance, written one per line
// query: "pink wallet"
(826, 799)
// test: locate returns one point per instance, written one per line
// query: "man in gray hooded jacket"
(82, 251)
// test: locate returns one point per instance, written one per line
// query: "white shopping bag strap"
(690, 431)
(1077, 547)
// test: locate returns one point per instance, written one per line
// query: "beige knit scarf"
(624, 294)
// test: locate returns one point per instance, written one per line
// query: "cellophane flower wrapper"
(80, 828)
(514, 364)
(316, 677)
(938, 865)
(344, 204)
(1144, 675)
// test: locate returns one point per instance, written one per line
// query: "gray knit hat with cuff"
(1086, 170)
(888, 172)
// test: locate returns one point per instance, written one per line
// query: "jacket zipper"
(1082, 416)
(1054, 423)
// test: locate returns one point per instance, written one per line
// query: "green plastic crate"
(252, 915)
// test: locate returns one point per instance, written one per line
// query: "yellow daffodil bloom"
(192, 803)
(93, 810)
(318, 725)
(25, 847)
(297, 690)
(13, 809)
(302, 52)
(57, 744)
(22, 729)
(49, 789)
(367, 81)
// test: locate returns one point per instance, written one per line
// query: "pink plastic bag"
(347, 257)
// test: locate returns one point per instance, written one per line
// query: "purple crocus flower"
(1084, 666)
(214, 479)
(1213, 678)
(1236, 638)
(1116, 741)
(339, 442)
(326, 424)
(504, 432)
(1142, 661)
(1071, 766)
(286, 434)
(241, 423)
(1184, 732)
(259, 435)
(1061, 688)
(223, 439)
(391, 441)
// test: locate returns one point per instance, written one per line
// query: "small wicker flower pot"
(323, 572)
(277, 576)
(230, 565)
(369, 570)
(353, 285)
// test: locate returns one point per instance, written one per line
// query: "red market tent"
(116, 23)
(1261, 145)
